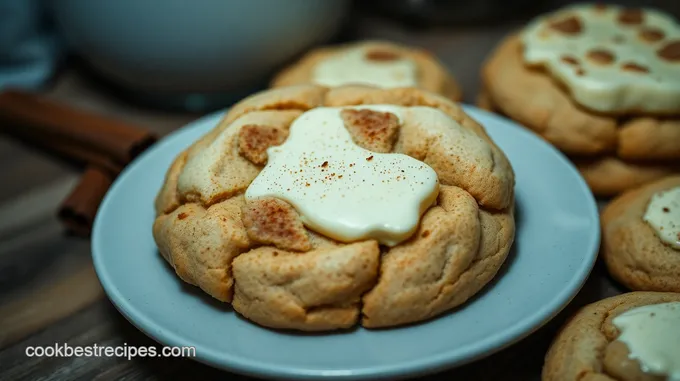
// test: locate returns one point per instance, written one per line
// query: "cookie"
(598, 87)
(606, 60)
(376, 63)
(535, 100)
(609, 176)
(605, 175)
(288, 252)
(641, 236)
(629, 337)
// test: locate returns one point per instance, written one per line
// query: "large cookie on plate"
(254, 214)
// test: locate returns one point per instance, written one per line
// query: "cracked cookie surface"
(275, 271)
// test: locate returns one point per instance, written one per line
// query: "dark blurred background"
(457, 13)
(206, 54)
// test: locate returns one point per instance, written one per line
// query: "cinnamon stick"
(73, 153)
(77, 134)
(79, 209)
(104, 145)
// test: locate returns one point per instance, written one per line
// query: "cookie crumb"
(369, 158)
(666, 210)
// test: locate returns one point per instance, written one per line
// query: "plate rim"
(429, 365)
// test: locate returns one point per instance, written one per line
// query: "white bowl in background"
(199, 46)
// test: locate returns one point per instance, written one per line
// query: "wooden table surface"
(50, 294)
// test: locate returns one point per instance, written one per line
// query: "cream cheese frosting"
(342, 190)
(610, 58)
(652, 335)
(663, 215)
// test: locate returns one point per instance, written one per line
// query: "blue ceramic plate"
(555, 247)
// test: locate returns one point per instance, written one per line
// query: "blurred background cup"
(29, 49)
(198, 54)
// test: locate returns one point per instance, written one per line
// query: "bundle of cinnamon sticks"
(101, 145)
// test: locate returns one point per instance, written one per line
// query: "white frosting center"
(342, 190)
(663, 215)
(353, 67)
(633, 77)
(652, 334)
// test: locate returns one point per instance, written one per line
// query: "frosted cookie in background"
(602, 84)
(375, 63)
(641, 236)
(629, 337)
